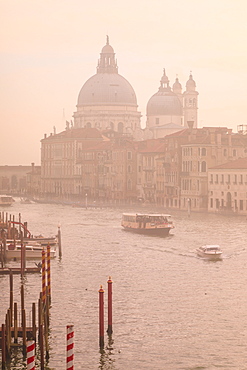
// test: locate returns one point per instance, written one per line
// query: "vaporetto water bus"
(147, 223)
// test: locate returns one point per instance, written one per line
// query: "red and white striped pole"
(70, 347)
(31, 355)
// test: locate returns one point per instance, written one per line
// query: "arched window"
(88, 125)
(204, 167)
(120, 127)
(129, 184)
(204, 151)
(234, 153)
(112, 125)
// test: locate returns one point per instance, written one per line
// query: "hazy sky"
(50, 48)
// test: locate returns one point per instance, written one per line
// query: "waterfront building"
(106, 155)
(227, 186)
(149, 151)
(60, 173)
(108, 170)
(19, 179)
(189, 154)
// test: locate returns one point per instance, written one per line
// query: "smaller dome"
(177, 87)
(163, 104)
(107, 49)
(190, 84)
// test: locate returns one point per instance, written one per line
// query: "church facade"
(107, 112)
(107, 101)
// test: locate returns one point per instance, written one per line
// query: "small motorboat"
(26, 201)
(213, 252)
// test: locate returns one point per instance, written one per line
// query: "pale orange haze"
(50, 48)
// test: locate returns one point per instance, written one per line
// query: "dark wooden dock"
(17, 270)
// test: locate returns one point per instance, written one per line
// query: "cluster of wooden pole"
(9, 230)
(101, 312)
(14, 335)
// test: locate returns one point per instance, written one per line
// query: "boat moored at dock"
(147, 223)
(32, 251)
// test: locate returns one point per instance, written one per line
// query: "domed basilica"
(107, 101)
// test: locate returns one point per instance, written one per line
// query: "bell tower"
(190, 103)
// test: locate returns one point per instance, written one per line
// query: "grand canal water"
(171, 309)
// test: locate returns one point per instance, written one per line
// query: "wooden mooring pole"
(34, 322)
(109, 283)
(15, 324)
(43, 278)
(41, 347)
(24, 334)
(48, 255)
(3, 347)
(59, 241)
(101, 317)
(11, 297)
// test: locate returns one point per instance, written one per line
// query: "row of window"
(189, 151)
(119, 126)
(187, 185)
(203, 152)
(228, 179)
(187, 166)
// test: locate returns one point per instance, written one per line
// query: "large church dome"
(164, 102)
(107, 101)
(107, 87)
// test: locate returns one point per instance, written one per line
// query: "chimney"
(230, 137)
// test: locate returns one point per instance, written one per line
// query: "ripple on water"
(171, 310)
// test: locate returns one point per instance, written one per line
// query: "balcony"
(149, 186)
(148, 168)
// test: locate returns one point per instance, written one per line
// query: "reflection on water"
(171, 309)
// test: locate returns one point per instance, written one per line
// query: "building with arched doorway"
(228, 187)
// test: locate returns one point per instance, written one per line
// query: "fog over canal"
(171, 309)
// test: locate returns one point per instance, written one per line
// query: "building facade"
(188, 156)
(227, 185)
(19, 179)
